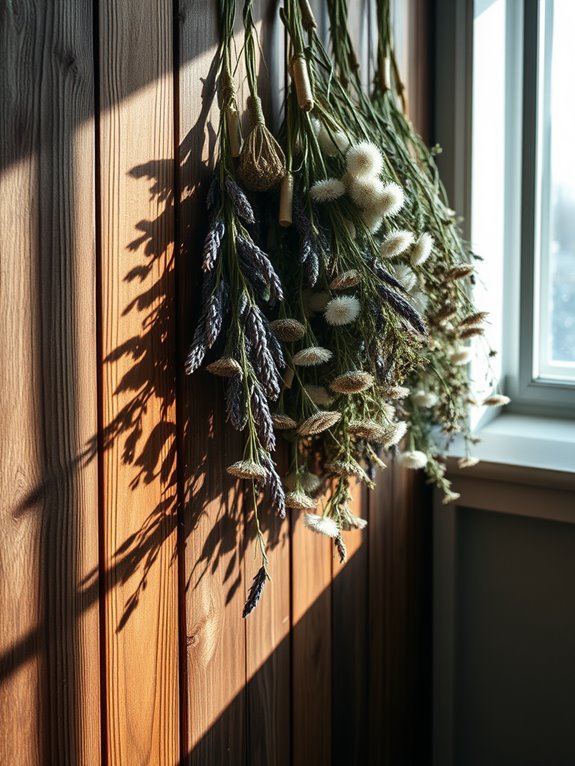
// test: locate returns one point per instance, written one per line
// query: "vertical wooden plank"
(380, 540)
(138, 407)
(311, 645)
(268, 656)
(350, 643)
(49, 647)
(215, 587)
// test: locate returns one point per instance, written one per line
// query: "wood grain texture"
(49, 648)
(380, 543)
(213, 515)
(311, 563)
(350, 643)
(268, 654)
(138, 392)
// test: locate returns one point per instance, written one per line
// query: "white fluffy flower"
(331, 145)
(372, 219)
(342, 310)
(309, 482)
(396, 433)
(423, 398)
(413, 459)
(364, 159)
(366, 191)
(327, 190)
(396, 243)
(321, 525)
(392, 200)
(406, 276)
(450, 497)
(309, 357)
(461, 356)
(422, 249)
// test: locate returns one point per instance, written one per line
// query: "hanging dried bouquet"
(347, 334)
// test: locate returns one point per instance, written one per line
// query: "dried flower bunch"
(349, 332)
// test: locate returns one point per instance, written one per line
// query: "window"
(505, 119)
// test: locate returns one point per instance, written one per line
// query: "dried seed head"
(226, 367)
(475, 319)
(321, 525)
(366, 191)
(300, 501)
(461, 356)
(345, 468)
(347, 279)
(327, 190)
(283, 422)
(496, 400)
(255, 591)
(352, 382)
(395, 433)
(247, 469)
(350, 521)
(307, 481)
(458, 272)
(396, 243)
(470, 332)
(364, 159)
(341, 549)
(367, 429)
(414, 459)
(311, 356)
(445, 313)
(396, 392)
(318, 423)
(421, 250)
(288, 330)
(342, 310)
(392, 200)
(319, 395)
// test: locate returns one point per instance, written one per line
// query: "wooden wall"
(125, 551)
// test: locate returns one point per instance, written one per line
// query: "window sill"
(522, 449)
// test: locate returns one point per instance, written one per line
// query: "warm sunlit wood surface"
(125, 550)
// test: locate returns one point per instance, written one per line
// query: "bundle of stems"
(439, 275)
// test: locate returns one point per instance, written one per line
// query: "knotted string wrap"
(302, 82)
(262, 161)
(228, 104)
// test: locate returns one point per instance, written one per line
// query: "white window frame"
(524, 228)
